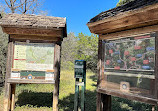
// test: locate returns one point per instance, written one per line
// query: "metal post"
(82, 96)
(80, 73)
(76, 96)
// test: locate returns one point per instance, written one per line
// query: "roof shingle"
(127, 7)
(32, 21)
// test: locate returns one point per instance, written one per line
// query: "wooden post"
(98, 102)
(106, 102)
(57, 76)
(153, 108)
(13, 87)
(7, 102)
(103, 100)
(156, 65)
(7, 97)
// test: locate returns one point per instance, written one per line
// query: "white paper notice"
(49, 76)
(15, 75)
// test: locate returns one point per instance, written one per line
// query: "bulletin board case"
(129, 67)
(34, 51)
(32, 62)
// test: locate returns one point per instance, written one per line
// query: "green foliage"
(38, 97)
(122, 2)
(3, 51)
(68, 51)
(82, 47)
(87, 49)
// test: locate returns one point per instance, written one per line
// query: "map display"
(33, 56)
(134, 53)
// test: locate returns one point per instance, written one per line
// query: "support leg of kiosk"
(57, 77)
(55, 98)
(105, 102)
(98, 102)
(7, 97)
(153, 108)
(13, 87)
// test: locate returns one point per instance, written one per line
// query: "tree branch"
(7, 3)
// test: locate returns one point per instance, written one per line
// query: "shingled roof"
(127, 7)
(32, 21)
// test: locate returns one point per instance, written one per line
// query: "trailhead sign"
(33, 56)
(33, 61)
(136, 53)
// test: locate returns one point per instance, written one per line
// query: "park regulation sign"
(33, 53)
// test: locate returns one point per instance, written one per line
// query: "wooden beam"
(106, 102)
(37, 81)
(13, 87)
(103, 101)
(128, 96)
(128, 33)
(156, 65)
(37, 32)
(127, 20)
(57, 75)
(99, 68)
(7, 101)
(34, 37)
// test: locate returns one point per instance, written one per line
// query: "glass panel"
(33, 61)
(129, 65)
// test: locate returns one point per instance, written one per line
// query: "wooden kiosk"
(33, 53)
(128, 53)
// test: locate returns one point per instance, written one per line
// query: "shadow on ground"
(67, 103)
(38, 99)
(121, 104)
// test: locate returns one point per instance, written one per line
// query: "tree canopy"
(82, 47)
(122, 2)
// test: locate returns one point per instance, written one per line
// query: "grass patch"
(38, 97)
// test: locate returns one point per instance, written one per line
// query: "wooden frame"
(21, 29)
(10, 84)
(141, 17)
(104, 95)
(139, 21)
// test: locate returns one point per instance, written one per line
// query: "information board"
(129, 65)
(33, 56)
(33, 61)
(135, 53)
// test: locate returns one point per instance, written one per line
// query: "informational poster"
(33, 56)
(135, 53)
(129, 65)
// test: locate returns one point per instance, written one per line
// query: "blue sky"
(77, 12)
